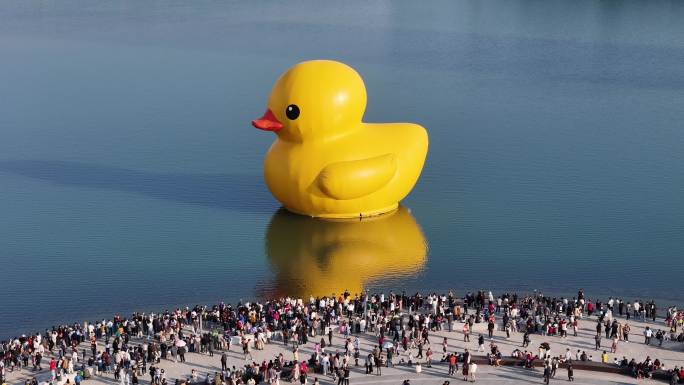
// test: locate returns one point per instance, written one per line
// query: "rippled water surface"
(130, 178)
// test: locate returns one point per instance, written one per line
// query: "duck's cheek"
(291, 133)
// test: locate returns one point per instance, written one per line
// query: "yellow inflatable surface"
(318, 257)
(325, 162)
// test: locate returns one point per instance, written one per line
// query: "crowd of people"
(133, 347)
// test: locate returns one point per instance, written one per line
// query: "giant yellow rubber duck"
(317, 256)
(325, 162)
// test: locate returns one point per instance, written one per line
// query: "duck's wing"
(356, 178)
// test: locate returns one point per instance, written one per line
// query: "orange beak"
(268, 122)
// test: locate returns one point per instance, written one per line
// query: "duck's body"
(366, 172)
(326, 162)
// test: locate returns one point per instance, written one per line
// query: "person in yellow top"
(604, 357)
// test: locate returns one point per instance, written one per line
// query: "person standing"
(378, 365)
(472, 370)
(490, 327)
(450, 320)
(224, 362)
(466, 332)
(597, 339)
(480, 343)
(53, 368)
(37, 361)
(369, 364)
(636, 308)
(466, 364)
(625, 332)
(648, 333)
(547, 373)
(465, 371)
(571, 376)
(453, 364)
(246, 349)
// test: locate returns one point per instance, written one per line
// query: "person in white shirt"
(636, 308)
(648, 333)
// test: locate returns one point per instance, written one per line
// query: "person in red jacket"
(53, 368)
(303, 372)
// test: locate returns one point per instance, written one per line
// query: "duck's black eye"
(292, 111)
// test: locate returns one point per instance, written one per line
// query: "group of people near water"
(134, 347)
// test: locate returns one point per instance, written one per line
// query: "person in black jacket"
(547, 373)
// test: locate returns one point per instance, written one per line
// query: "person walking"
(526, 339)
(181, 353)
(571, 376)
(466, 332)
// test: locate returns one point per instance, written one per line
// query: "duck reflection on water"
(318, 257)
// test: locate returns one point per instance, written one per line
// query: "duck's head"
(315, 99)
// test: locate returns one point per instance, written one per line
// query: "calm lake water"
(131, 179)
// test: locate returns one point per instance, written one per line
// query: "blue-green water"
(130, 177)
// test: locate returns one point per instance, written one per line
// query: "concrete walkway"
(671, 354)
